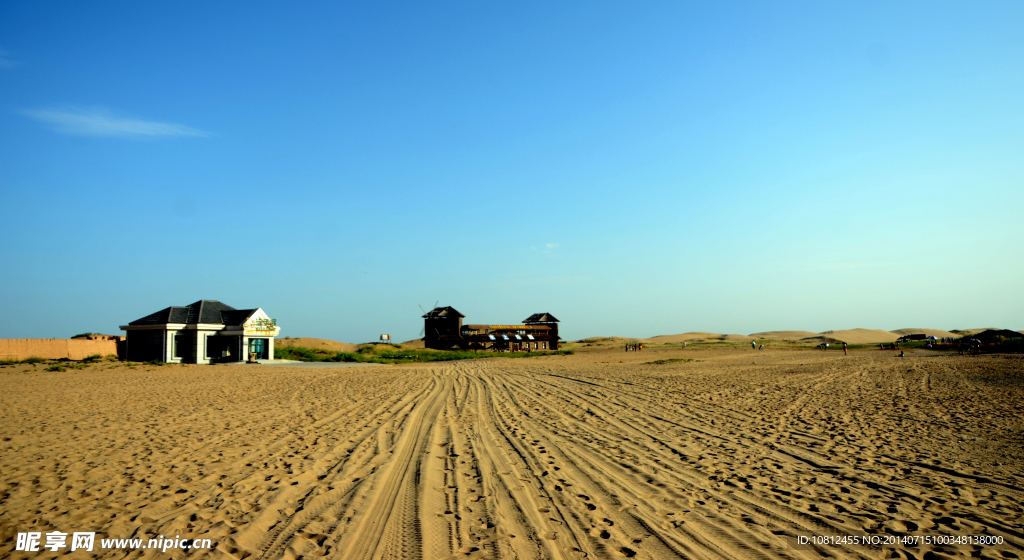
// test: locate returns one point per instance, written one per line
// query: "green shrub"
(92, 359)
(34, 360)
(57, 367)
(300, 354)
(156, 363)
(394, 354)
(112, 358)
(349, 357)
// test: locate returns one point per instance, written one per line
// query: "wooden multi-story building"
(443, 330)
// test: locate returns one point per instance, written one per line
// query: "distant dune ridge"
(862, 336)
(929, 332)
(785, 335)
(685, 337)
(317, 343)
(971, 332)
(850, 336)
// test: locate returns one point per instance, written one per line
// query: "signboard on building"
(265, 327)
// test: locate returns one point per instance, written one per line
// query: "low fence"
(57, 348)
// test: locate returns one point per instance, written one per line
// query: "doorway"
(260, 347)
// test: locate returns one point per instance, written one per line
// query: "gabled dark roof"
(205, 311)
(236, 317)
(443, 313)
(541, 318)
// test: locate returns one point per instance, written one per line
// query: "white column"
(201, 347)
(168, 346)
(270, 352)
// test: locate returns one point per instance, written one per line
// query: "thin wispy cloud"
(79, 121)
(547, 249)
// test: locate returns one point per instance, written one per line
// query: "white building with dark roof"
(202, 333)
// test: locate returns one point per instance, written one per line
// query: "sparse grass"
(112, 358)
(9, 362)
(392, 354)
(671, 361)
(299, 353)
(156, 363)
(34, 360)
(66, 365)
(92, 359)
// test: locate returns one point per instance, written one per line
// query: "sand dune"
(970, 332)
(686, 337)
(601, 454)
(862, 336)
(784, 335)
(929, 332)
(318, 343)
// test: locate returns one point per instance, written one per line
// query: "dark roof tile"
(442, 313)
(205, 311)
(541, 318)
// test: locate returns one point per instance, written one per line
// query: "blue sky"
(634, 170)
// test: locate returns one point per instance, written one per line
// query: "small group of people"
(825, 346)
(973, 347)
(634, 347)
(753, 346)
(892, 345)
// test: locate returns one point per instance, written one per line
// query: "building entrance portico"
(258, 348)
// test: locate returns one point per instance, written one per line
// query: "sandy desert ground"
(732, 454)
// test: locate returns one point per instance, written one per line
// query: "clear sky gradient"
(633, 169)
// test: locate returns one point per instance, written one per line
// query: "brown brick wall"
(55, 348)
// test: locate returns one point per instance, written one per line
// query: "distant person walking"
(846, 351)
(753, 345)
